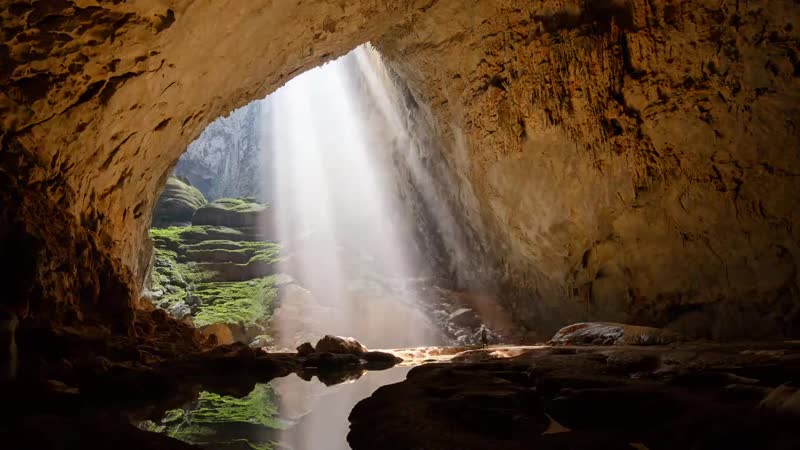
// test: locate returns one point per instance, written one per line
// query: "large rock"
(305, 349)
(606, 333)
(222, 333)
(340, 345)
(177, 203)
(179, 310)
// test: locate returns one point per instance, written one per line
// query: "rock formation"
(225, 160)
(218, 270)
(622, 160)
(177, 203)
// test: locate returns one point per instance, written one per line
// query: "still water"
(286, 413)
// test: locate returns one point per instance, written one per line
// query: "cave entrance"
(305, 214)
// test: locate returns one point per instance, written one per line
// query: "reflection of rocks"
(605, 333)
(379, 360)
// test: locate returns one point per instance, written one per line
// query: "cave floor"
(691, 395)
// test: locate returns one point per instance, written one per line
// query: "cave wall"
(630, 161)
(625, 160)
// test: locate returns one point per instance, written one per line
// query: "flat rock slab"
(609, 333)
(601, 397)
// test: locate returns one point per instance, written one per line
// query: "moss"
(213, 417)
(187, 264)
(243, 302)
(268, 254)
(185, 192)
(244, 204)
(241, 252)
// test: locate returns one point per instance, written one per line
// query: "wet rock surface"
(86, 393)
(688, 396)
(339, 344)
(607, 333)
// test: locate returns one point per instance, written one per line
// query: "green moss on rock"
(243, 302)
(226, 422)
(232, 212)
(177, 203)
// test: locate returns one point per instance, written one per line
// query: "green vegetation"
(193, 262)
(217, 419)
(243, 302)
(185, 192)
(244, 204)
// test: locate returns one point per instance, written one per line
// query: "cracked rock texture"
(633, 161)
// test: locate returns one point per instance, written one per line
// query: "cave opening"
(301, 214)
(297, 217)
(614, 181)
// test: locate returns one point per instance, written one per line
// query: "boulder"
(609, 333)
(380, 359)
(179, 310)
(340, 345)
(305, 349)
(261, 341)
(177, 203)
(221, 332)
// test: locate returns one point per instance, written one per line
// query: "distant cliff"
(224, 161)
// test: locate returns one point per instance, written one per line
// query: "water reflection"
(319, 412)
(287, 413)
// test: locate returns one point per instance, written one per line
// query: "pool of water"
(286, 413)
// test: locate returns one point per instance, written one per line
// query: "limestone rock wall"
(631, 161)
(620, 160)
(225, 161)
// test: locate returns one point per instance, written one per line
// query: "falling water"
(337, 210)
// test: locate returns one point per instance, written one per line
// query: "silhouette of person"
(484, 336)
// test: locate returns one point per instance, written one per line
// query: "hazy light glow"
(336, 205)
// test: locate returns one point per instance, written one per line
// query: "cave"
(618, 179)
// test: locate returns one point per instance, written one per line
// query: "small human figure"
(484, 336)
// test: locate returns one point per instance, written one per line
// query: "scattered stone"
(305, 349)
(261, 341)
(341, 345)
(179, 310)
(464, 317)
